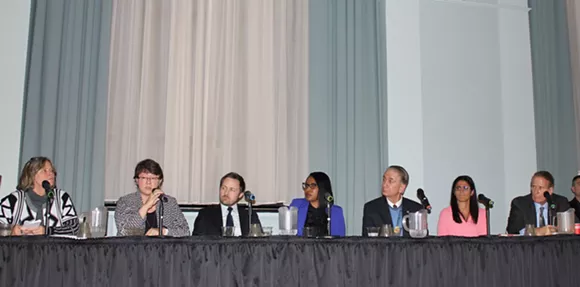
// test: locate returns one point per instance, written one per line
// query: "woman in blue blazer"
(312, 208)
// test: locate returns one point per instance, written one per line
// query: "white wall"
(14, 22)
(460, 98)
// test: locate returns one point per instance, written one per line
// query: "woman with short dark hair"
(138, 210)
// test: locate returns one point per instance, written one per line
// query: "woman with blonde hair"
(28, 202)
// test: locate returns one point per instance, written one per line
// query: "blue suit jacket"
(337, 227)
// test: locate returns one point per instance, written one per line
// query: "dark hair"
(234, 175)
(402, 172)
(149, 166)
(473, 206)
(575, 178)
(545, 175)
(324, 186)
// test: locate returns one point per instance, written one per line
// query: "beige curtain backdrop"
(205, 88)
(573, 13)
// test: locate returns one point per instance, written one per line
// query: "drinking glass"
(255, 230)
(530, 230)
(228, 231)
(5, 229)
(386, 230)
(309, 231)
(267, 231)
(373, 231)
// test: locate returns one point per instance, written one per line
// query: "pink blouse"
(446, 225)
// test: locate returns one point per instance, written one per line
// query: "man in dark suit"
(211, 219)
(575, 202)
(533, 208)
(391, 206)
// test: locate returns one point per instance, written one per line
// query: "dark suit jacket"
(209, 220)
(376, 213)
(523, 212)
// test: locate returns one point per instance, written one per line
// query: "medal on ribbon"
(397, 230)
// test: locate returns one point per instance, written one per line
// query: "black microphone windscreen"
(249, 195)
(46, 184)
(329, 197)
(420, 193)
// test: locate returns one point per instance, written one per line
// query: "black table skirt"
(290, 261)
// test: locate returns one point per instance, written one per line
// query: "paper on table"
(31, 224)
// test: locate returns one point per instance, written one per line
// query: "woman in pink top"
(463, 217)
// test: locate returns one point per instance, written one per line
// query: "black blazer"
(376, 213)
(209, 220)
(523, 212)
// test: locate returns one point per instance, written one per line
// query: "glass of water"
(5, 229)
(267, 231)
(98, 218)
(228, 231)
(530, 230)
(373, 231)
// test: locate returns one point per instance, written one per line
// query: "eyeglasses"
(462, 188)
(150, 179)
(306, 185)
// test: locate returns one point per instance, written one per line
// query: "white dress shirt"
(398, 203)
(235, 216)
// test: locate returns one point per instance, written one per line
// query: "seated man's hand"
(546, 230)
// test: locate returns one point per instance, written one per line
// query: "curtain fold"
(64, 114)
(209, 87)
(348, 101)
(573, 17)
(555, 120)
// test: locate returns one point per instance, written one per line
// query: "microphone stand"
(47, 215)
(249, 216)
(328, 213)
(551, 210)
(487, 208)
(160, 221)
(49, 195)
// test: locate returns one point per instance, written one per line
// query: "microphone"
(485, 201)
(249, 196)
(162, 197)
(48, 189)
(424, 200)
(328, 197)
(548, 197)
(49, 196)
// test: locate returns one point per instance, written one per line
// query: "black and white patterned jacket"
(62, 218)
(127, 215)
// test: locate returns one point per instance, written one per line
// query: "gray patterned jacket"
(127, 215)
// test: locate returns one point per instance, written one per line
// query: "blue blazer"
(337, 226)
